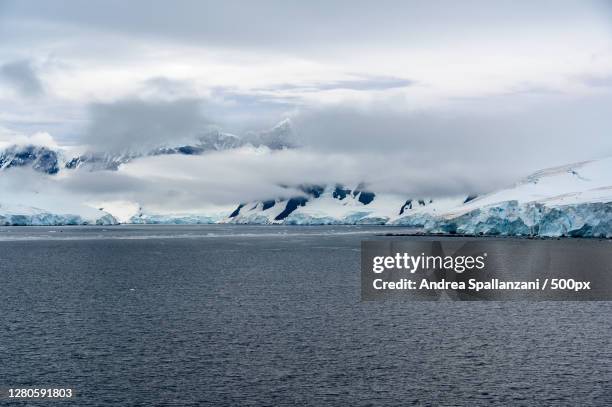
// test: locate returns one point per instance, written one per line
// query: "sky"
(417, 97)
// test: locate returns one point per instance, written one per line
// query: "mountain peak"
(40, 158)
(279, 137)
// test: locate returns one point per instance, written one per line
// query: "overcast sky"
(489, 90)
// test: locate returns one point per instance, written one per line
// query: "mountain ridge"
(51, 161)
(568, 200)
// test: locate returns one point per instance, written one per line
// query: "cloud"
(597, 80)
(362, 83)
(10, 138)
(320, 24)
(183, 184)
(23, 77)
(493, 145)
(421, 53)
(135, 125)
(438, 99)
(414, 154)
(168, 88)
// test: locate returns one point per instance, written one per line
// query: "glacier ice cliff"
(51, 219)
(590, 219)
(12, 214)
(157, 219)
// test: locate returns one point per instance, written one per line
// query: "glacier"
(530, 219)
(572, 200)
(19, 215)
(171, 219)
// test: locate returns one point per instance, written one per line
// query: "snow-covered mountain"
(40, 158)
(278, 137)
(571, 200)
(51, 161)
(213, 140)
(334, 205)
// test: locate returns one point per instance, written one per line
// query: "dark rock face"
(73, 163)
(190, 150)
(268, 204)
(292, 205)
(366, 197)
(340, 192)
(470, 198)
(406, 205)
(237, 211)
(313, 190)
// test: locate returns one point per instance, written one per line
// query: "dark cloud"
(23, 77)
(491, 145)
(135, 125)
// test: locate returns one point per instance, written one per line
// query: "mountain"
(570, 200)
(41, 159)
(331, 205)
(277, 138)
(213, 140)
(52, 161)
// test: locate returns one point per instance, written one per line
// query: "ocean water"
(271, 316)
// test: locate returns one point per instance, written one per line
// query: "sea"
(229, 315)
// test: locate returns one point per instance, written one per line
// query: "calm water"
(226, 316)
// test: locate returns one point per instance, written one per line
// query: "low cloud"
(135, 125)
(22, 76)
(518, 137)
(192, 184)
(10, 138)
(178, 183)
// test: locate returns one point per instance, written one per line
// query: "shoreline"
(499, 236)
(374, 228)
